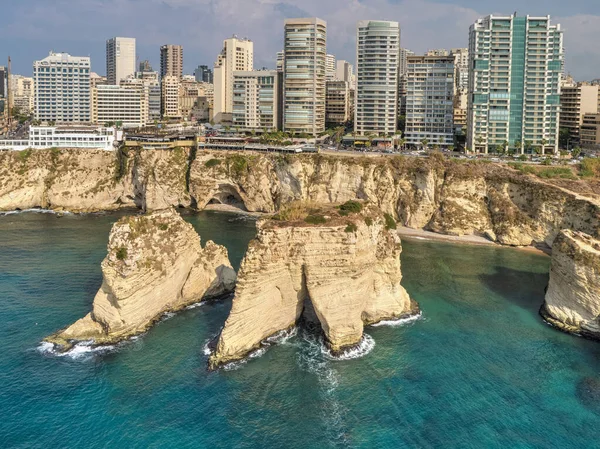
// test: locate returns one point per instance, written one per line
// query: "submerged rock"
(343, 271)
(573, 297)
(155, 264)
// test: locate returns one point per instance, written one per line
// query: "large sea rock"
(343, 272)
(573, 297)
(155, 264)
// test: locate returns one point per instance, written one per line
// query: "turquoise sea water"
(480, 369)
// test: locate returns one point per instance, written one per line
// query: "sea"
(478, 369)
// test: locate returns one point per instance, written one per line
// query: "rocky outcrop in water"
(155, 264)
(439, 195)
(337, 269)
(573, 297)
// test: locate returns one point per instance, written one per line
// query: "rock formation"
(444, 196)
(342, 267)
(573, 296)
(155, 264)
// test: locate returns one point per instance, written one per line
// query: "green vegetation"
(523, 168)
(351, 228)
(590, 168)
(212, 163)
(390, 223)
(163, 226)
(350, 207)
(368, 221)
(237, 163)
(315, 219)
(556, 172)
(122, 253)
(24, 155)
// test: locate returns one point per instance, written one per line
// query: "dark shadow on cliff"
(523, 288)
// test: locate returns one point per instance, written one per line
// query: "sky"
(29, 29)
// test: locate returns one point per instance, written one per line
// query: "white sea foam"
(365, 346)
(283, 336)
(195, 306)
(81, 350)
(35, 210)
(400, 322)
(206, 347)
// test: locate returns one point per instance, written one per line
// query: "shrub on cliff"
(315, 219)
(590, 168)
(122, 253)
(368, 221)
(212, 163)
(350, 207)
(351, 228)
(390, 223)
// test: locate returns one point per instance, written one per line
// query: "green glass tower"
(515, 71)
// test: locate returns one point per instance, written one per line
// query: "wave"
(35, 210)
(196, 305)
(399, 322)
(364, 347)
(81, 350)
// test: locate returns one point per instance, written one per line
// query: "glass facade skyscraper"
(515, 66)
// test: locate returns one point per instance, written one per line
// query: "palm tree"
(518, 145)
(424, 143)
(402, 143)
(479, 140)
(544, 142)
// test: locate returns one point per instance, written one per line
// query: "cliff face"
(442, 196)
(343, 273)
(155, 264)
(573, 295)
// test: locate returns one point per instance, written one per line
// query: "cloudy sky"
(29, 29)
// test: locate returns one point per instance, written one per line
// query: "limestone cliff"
(342, 267)
(155, 264)
(573, 296)
(440, 195)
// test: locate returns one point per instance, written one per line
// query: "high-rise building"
(590, 131)
(236, 55)
(120, 59)
(577, 100)
(203, 74)
(125, 104)
(305, 42)
(22, 89)
(338, 103)
(344, 71)
(171, 61)
(330, 67)
(515, 69)
(3, 78)
(257, 100)
(378, 52)
(430, 100)
(461, 66)
(62, 88)
(145, 66)
(280, 58)
(170, 92)
(404, 53)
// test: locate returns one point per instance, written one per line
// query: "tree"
(424, 143)
(479, 140)
(518, 145)
(451, 148)
(528, 146)
(402, 143)
(402, 123)
(564, 134)
(576, 152)
(499, 148)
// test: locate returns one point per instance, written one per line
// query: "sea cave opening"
(228, 196)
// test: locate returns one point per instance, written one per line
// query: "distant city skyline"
(31, 29)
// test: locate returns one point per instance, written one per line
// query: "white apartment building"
(22, 93)
(41, 137)
(257, 100)
(430, 100)
(330, 67)
(125, 104)
(377, 56)
(62, 88)
(237, 55)
(120, 59)
(404, 53)
(461, 66)
(515, 68)
(305, 42)
(280, 58)
(170, 91)
(344, 71)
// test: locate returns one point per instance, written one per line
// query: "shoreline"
(475, 240)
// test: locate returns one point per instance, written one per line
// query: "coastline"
(421, 234)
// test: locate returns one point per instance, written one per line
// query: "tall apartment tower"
(461, 66)
(237, 55)
(404, 53)
(203, 74)
(429, 100)
(305, 54)
(344, 71)
(62, 88)
(257, 100)
(171, 61)
(330, 67)
(515, 67)
(3, 78)
(120, 59)
(280, 58)
(377, 58)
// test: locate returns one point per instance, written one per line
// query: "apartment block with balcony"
(515, 69)
(338, 103)
(378, 53)
(62, 89)
(127, 105)
(577, 100)
(590, 131)
(170, 92)
(257, 100)
(430, 100)
(304, 60)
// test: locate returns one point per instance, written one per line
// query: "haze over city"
(34, 27)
